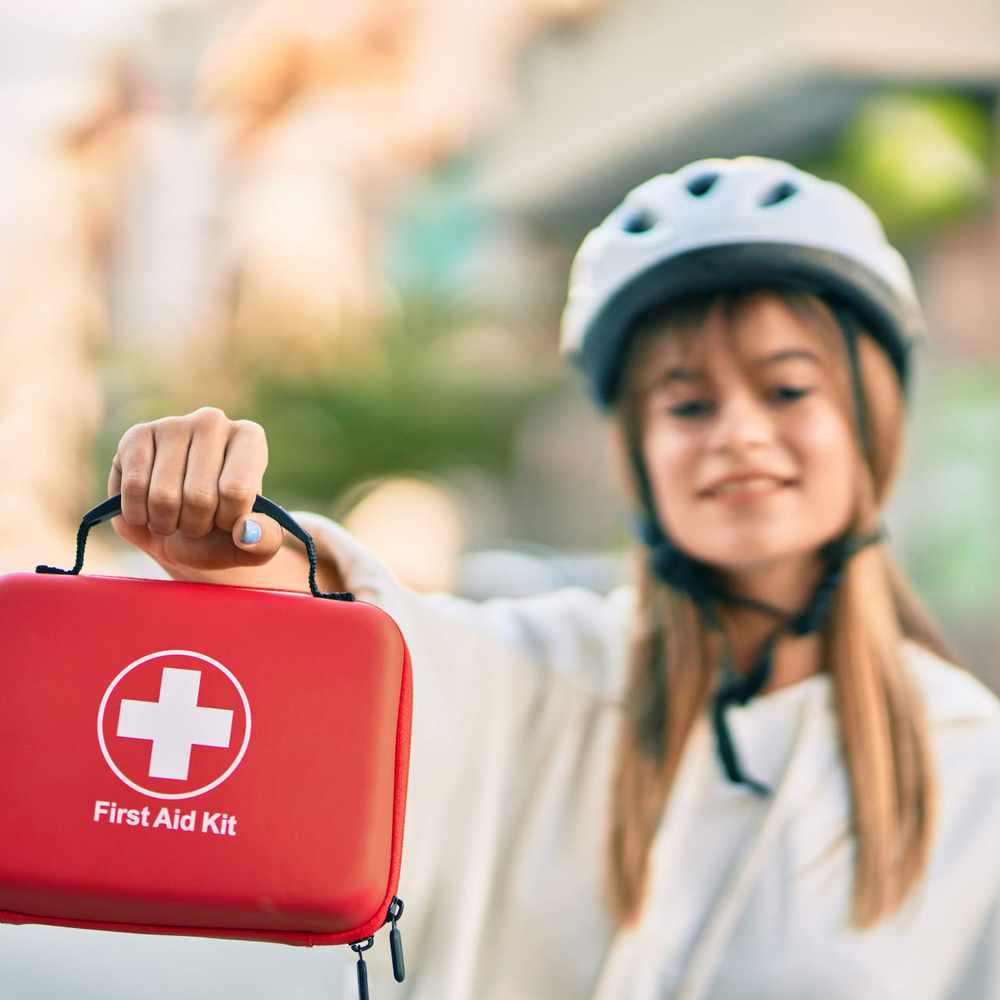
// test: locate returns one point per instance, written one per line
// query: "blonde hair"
(673, 653)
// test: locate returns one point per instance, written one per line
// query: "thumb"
(258, 538)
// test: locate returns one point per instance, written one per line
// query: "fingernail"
(251, 532)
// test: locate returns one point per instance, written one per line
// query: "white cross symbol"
(175, 723)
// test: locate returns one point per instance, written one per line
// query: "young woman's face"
(705, 417)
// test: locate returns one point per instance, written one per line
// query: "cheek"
(671, 462)
(826, 452)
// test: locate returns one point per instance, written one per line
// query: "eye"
(690, 408)
(788, 393)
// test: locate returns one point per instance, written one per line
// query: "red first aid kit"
(200, 759)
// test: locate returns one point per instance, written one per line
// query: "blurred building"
(644, 86)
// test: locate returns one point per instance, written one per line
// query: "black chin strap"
(679, 570)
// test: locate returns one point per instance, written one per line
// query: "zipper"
(393, 914)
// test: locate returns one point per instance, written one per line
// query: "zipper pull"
(394, 912)
(359, 947)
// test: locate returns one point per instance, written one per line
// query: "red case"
(199, 759)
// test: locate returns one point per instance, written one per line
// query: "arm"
(571, 632)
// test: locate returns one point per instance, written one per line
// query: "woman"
(756, 774)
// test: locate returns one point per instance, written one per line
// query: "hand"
(187, 486)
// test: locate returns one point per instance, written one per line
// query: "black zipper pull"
(359, 947)
(394, 912)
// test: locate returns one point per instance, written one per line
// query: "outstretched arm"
(188, 484)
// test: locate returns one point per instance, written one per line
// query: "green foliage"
(922, 159)
(954, 482)
(328, 435)
(410, 413)
(411, 408)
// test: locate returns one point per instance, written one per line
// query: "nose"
(742, 421)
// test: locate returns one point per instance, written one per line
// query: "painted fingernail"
(251, 532)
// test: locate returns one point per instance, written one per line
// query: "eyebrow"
(695, 374)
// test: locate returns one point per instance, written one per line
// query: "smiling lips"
(745, 489)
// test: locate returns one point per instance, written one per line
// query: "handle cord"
(112, 507)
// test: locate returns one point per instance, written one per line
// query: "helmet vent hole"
(779, 193)
(639, 222)
(702, 184)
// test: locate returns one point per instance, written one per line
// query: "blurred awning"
(645, 86)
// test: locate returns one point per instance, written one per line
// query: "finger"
(115, 476)
(131, 471)
(172, 437)
(242, 473)
(258, 538)
(200, 500)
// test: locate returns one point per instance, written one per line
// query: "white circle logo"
(174, 724)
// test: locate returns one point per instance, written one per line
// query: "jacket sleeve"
(573, 632)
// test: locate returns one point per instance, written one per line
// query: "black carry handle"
(112, 507)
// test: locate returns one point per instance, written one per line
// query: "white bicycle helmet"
(721, 224)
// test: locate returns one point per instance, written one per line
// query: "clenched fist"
(187, 486)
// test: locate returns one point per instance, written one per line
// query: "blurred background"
(353, 223)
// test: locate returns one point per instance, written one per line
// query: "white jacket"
(514, 731)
